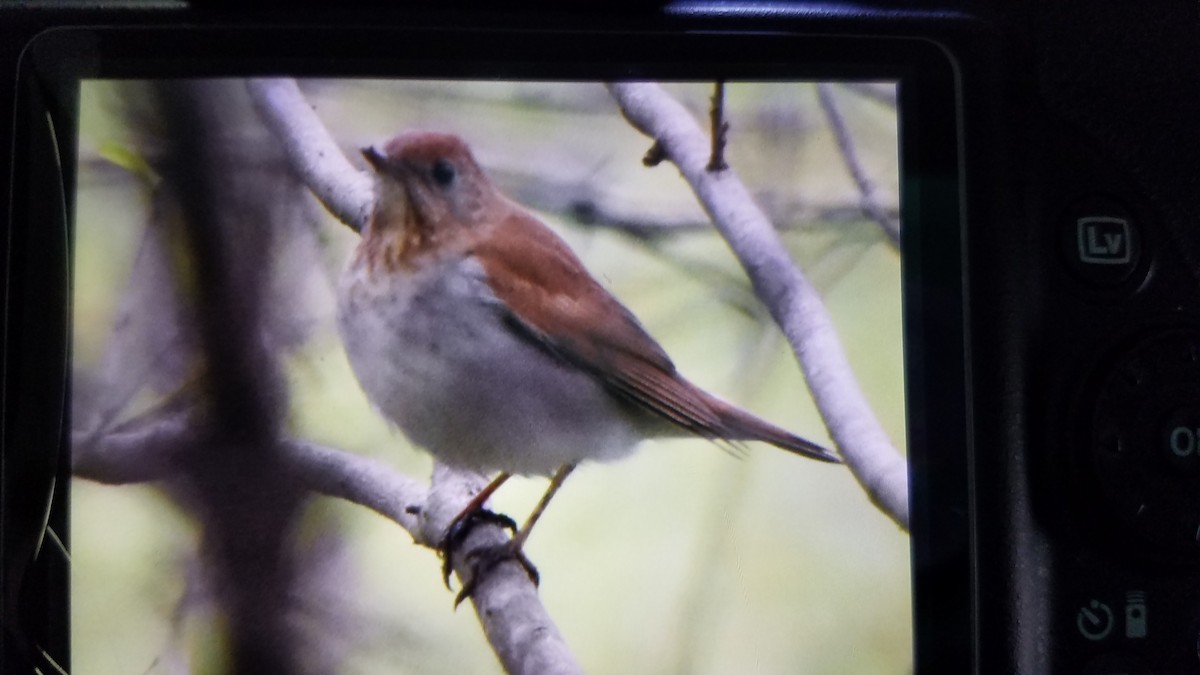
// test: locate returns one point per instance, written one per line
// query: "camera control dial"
(1144, 439)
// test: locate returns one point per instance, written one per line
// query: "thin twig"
(591, 206)
(868, 192)
(654, 156)
(720, 129)
(879, 92)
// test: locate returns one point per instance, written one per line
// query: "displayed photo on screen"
(311, 319)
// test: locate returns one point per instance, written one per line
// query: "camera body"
(1052, 347)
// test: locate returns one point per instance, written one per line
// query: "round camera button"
(1144, 441)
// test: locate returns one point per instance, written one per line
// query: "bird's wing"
(549, 296)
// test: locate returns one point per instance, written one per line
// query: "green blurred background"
(680, 559)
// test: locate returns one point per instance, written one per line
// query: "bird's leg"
(475, 506)
(556, 482)
(484, 559)
(471, 514)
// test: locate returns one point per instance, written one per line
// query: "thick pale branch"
(791, 298)
(312, 152)
(360, 480)
(521, 632)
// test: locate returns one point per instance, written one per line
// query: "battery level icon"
(1135, 614)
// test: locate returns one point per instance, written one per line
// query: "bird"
(472, 326)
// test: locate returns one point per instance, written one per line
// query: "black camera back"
(1051, 278)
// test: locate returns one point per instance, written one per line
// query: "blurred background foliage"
(681, 559)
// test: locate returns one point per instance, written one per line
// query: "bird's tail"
(742, 425)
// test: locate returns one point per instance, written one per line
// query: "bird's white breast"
(433, 354)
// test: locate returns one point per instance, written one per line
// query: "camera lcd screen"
(687, 555)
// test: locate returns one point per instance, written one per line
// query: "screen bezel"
(933, 267)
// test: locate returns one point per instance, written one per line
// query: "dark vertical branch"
(231, 480)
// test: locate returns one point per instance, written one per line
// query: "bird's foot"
(461, 526)
(484, 558)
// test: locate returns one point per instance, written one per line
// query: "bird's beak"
(377, 161)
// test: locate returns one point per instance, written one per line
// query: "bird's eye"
(443, 173)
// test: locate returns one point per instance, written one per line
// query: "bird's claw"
(458, 530)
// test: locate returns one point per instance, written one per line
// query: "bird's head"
(430, 192)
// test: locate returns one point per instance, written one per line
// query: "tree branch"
(357, 479)
(312, 152)
(516, 625)
(791, 298)
(140, 456)
(881, 93)
(590, 208)
(868, 192)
